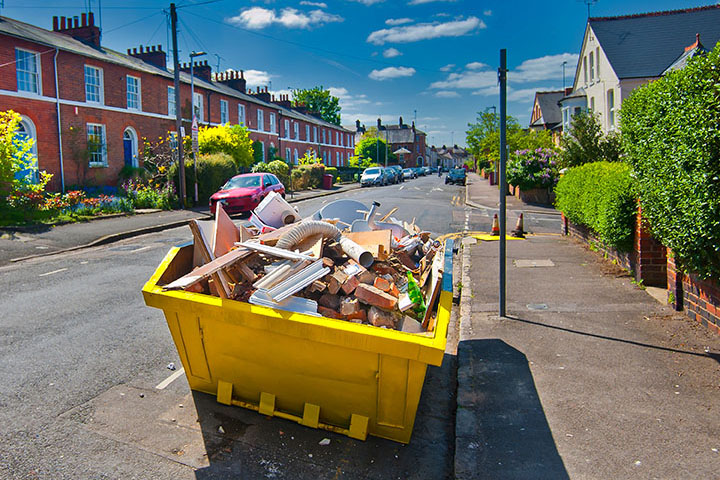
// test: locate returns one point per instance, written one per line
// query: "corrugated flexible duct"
(309, 228)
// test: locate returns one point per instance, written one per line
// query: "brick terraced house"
(88, 107)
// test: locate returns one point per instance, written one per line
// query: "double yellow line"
(456, 201)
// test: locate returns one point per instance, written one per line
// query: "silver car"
(373, 176)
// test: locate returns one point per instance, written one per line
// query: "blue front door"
(128, 149)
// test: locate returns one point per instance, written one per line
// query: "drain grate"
(537, 306)
(533, 263)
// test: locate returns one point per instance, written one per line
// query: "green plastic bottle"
(416, 296)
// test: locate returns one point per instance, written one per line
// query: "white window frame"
(597, 62)
(260, 120)
(315, 137)
(287, 154)
(262, 150)
(286, 133)
(199, 106)
(103, 145)
(307, 133)
(585, 70)
(171, 102)
(296, 158)
(241, 114)
(37, 73)
(138, 94)
(272, 122)
(100, 86)
(591, 61)
(610, 107)
(224, 116)
(324, 137)
(296, 129)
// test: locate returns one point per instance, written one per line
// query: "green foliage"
(585, 142)
(483, 138)
(317, 170)
(371, 150)
(277, 167)
(334, 172)
(128, 171)
(150, 195)
(600, 195)
(212, 173)
(321, 101)
(309, 158)
(16, 156)
(300, 178)
(232, 140)
(529, 169)
(257, 147)
(672, 139)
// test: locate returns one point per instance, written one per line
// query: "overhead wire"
(162, 22)
(133, 22)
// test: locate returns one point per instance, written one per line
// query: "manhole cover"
(533, 263)
(537, 306)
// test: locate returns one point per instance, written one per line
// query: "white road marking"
(170, 379)
(401, 187)
(53, 272)
(142, 248)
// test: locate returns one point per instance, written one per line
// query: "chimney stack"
(154, 56)
(80, 28)
(201, 70)
(284, 101)
(233, 79)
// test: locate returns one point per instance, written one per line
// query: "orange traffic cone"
(519, 232)
(495, 226)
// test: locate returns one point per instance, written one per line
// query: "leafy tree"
(585, 142)
(319, 100)
(373, 150)
(257, 152)
(230, 139)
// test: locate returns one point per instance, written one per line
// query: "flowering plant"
(530, 169)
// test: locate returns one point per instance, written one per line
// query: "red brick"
(329, 313)
(374, 296)
(382, 284)
(350, 284)
(380, 318)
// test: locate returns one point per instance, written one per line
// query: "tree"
(373, 149)
(585, 142)
(319, 100)
(232, 140)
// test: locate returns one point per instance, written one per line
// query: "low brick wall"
(542, 196)
(698, 298)
(625, 259)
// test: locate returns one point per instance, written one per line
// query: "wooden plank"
(271, 238)
(206, 227)
(387, 215)
(225, 233)
(435, 287)
(205, 253)
(246, 272)
(376, 242)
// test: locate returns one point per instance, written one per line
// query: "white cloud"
(544, 68)
(314, 4)
(475, 66)
(420, 2)
(257, 78)
(447, 94)
(467, 80)
(368, 2)
(425, 31)
(487, 13)
(523, 95)
(447, 67)
(257, 18)
(398, 21)
(392, 53)
(392, 72)
(348, 102)
(442, 14)
(487, 91)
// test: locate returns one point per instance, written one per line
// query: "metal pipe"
(503, 162)
(59, 125)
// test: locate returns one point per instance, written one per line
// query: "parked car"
(397, 172)
(409, 173)
(456, 176)
(419, 171)
(242, 193)
(373, 176)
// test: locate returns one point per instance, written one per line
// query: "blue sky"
(434, 60)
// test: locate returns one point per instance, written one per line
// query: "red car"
(242, 193)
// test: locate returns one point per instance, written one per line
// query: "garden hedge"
(671, 136)
(213, 171)
(600, 196)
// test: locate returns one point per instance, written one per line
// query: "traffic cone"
(495, 226)
(519, 232)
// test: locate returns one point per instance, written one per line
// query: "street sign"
(195, 146)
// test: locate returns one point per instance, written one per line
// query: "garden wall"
(698, 298)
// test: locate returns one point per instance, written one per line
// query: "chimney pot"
(55, 23)
(62, 23)
(400, 122)
(159, 47)
(129, 51)
(141, 49)
(134, 51)
(76, 21)
(242, 74)
(91, 19)
(83, 19)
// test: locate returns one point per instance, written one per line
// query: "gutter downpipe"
(59, 126)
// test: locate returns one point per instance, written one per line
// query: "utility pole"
(178, 106)
(502, 74)
(563, 65)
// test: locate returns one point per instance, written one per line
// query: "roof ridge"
(656, 14)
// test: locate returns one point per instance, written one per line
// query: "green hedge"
(277, 167)
(671, 136)
(600, 196)
(213, 171)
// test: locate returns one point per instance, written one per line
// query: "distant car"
(397, 172)
(456, 176)
(409, 173)
(242, 193)
(373, 176)
(419, 171)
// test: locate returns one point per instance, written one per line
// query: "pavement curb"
(485, 207)
(114, 237)
(323, 194)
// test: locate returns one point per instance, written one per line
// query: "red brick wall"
(698, 298)
(651, 258)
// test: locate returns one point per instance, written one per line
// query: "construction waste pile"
(345, 262)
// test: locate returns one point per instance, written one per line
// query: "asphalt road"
(81, 356)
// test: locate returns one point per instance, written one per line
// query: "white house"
(619, 54)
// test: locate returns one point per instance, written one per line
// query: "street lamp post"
(563, 65)
(194, 54)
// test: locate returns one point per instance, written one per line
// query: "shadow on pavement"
(252, 446)
(714, 356)
(502, 429)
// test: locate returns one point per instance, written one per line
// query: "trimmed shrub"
(530, 169)
(671, 138)
(600, 196)
(317, 170)
(213, 171)
(300, 178)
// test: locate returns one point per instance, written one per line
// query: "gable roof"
(644, 45)
(549, 108)
(397, 134)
